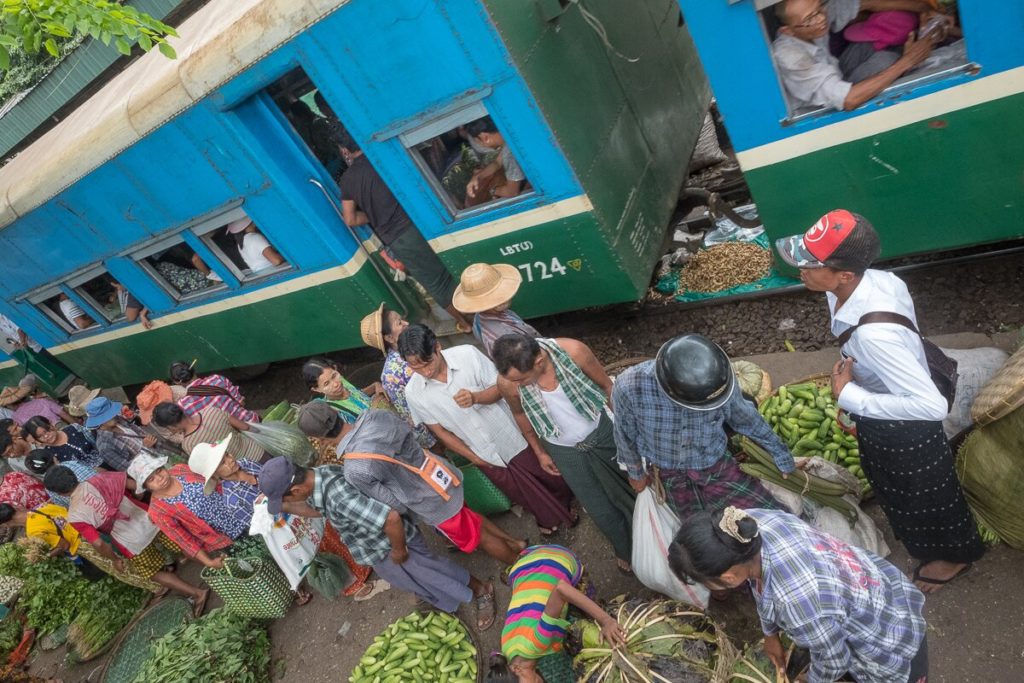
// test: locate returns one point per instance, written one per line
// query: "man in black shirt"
(365, 198)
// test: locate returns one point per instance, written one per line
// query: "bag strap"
(878, 317)
(207, 390)
(428, 459)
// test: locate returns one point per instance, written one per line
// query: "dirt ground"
(975, 625)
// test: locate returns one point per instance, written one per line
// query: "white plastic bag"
(975, 367)
(654, 527)
(834, 523)
(292, 540)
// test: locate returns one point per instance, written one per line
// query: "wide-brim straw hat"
(79, 397)
(371, 328)
(484, 286)
(11, 395)
(205, 459)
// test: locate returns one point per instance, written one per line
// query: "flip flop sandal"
(941, 582)
(379, 586)
(485, 611)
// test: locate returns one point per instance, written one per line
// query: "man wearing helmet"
(671, 413)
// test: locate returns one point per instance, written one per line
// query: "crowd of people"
(129, 490)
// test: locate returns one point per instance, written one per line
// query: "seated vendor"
(814, 77)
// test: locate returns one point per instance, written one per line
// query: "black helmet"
(695, 372)
(38, 461)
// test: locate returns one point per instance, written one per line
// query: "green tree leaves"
(30, 26)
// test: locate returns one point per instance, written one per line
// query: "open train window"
(311, 117)
(106, 296)
(467, 160)
(179, 270)
(830, 56)
(64, 311)
(237, 241)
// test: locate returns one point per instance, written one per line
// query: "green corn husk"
(666, 641)
(827, 493)
(282, 439)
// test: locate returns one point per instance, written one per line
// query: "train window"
(179, 270)
(61, 309)
(107, 296)
(830, 56)
(240, 245)
(311, 117)
(467, 160)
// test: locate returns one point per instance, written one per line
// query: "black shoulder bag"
(943, 369)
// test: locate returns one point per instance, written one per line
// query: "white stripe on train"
(973, 93)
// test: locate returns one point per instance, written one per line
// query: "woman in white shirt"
(884, 382)
(74, 313)
(253, 247)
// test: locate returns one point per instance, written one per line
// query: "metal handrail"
(369, 257)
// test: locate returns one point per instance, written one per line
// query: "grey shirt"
(809, 72)
(513, 171)
(385, 433)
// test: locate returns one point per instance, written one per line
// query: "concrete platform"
(788, 367)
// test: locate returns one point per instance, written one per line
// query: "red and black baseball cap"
(840, 239)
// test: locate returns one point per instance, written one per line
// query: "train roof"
(215, 44)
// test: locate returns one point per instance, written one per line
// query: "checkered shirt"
(650, 426)
(359, 520)
(856, 613)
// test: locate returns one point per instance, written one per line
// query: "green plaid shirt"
(357, 519)
(586, 397)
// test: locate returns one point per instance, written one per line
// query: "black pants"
(919, 664)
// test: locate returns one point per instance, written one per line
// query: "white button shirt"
(490, 431)
(891, 380)
(809, 72)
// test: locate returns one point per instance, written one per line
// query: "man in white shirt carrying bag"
(884, 382)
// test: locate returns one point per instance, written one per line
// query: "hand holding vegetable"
(773, 648)
(612, 632)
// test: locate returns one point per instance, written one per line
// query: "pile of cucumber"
(805, 416)
(282, 412)
(422, 647)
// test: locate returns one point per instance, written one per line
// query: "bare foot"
(623, 566)
(199, 603)
(932, 576)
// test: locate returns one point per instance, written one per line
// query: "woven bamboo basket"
(1003, 394)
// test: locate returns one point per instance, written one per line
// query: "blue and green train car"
(936, 161)
(601, 110)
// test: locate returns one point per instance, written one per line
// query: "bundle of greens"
(282, 439)
(753, 666)
(666, 642)
(219, 647)
(821, 491)
(111, 604)
(53, 590)
(10, 635)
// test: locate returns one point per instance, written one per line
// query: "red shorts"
(463, 529)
